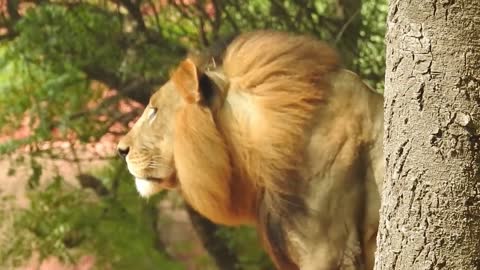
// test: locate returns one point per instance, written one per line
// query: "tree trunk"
(430, 216)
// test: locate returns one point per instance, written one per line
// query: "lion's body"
(344, 164)
(289, 142)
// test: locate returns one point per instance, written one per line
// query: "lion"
(274, 134)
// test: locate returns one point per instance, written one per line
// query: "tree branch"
(138, 89)
(224, 257)
(158, 243)
(348, 12)
(134, 10)
(12, 9)
(8, 36)
(8, 22)
(89, 181)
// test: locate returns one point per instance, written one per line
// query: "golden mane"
(286, 85)
(239, 165)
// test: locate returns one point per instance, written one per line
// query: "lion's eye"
(152, 112)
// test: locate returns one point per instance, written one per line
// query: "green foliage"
(66, 222)
(371, 60)
(84, 36)
(47, 70)
(242, 240)
(43, 98)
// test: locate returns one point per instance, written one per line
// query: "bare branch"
(90, 181)
(8, 36)
(137, 89)
(156, 13)
(224, 257)
(12, 9)
(218, 19)
(134, 10)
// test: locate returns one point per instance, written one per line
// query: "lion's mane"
(239, 163)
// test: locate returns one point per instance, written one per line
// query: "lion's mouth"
(153, 179)
(166, 182)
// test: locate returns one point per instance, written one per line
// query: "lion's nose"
(123, 152)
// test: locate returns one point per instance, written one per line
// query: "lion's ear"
(197, 87)
(185, 79)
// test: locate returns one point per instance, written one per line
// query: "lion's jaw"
(147, 188)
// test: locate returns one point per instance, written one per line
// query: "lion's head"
(148, 147)
(176, 141)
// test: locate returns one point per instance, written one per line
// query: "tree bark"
(430, 215)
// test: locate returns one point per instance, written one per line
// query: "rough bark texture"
(430, 217)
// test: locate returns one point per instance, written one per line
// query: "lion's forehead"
(165, 98)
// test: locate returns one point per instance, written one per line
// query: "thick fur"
(240, 137)
(284, 87)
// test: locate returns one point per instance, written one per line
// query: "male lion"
(276, 135)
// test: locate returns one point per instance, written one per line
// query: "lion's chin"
(147, 188)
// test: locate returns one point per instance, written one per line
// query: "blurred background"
(74, 76)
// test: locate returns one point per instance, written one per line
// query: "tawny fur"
(204, 169)
(243, 156)
(285, 86)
